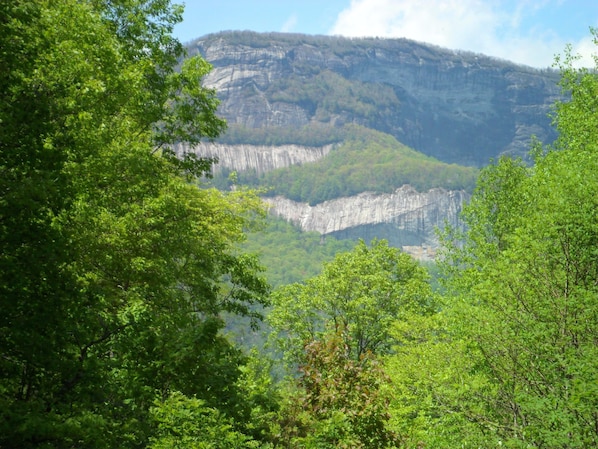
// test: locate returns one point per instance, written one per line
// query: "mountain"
(458, 107)
(387, 133)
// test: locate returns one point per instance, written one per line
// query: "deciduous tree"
(339, 402)
(113, 266)
(361, 291)
(526, 283)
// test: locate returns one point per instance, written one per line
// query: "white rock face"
(260, 158)
(406, 208)
(247, 63)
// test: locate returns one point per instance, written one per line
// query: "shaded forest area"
(118, 275)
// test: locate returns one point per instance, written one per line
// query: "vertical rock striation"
(259, 158)
(405, 210)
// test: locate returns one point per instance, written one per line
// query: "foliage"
(526, 283)
(304, 252)
(576, 119)
(535, 330)
(184, 422)
(343, 173)
(437, 386)
(261, 394)
(114, 268)
(362, 291)
(327, 94)
(340, 402)
(311, 135)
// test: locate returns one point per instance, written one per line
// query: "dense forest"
(122, 273)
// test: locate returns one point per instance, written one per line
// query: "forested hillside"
(388, 190)
(366, 161)
(121, 267)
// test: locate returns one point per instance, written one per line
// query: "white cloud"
(586, 49)
(483, 26)
(290, 24)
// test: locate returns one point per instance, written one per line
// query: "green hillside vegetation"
(326, 94)
(290, 255)
(312, 135)
(367, 161)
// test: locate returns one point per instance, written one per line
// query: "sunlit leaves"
(184, 422)
(363, 290)
(527, 276)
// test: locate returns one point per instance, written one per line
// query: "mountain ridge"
(459, 107)
(289, 100)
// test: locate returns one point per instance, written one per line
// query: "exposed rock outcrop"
(260, 158)
(406, 211)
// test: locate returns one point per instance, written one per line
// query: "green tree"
(184, 422)
(362, 291)
(334, 328)
(525, 283)
(114, 268)
(437, 384)
(339, 402)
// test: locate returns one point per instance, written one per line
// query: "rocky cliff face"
(259, 158)
(458, 107)
(409, 218)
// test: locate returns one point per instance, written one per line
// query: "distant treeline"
(312, 135)
(304, 252)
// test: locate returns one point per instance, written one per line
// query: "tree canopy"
(333, 328)
(343, 172)
(361, 292)
(114, 268)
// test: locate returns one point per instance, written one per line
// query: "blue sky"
(526, 31)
